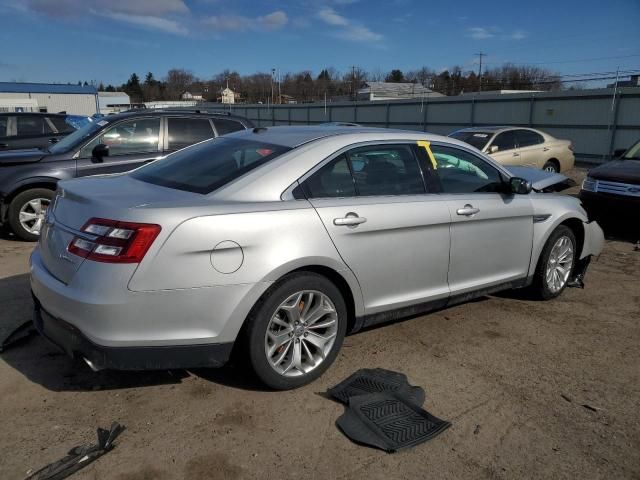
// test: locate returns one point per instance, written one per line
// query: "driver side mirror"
(520, 186)
(493, 148)
(99, 152)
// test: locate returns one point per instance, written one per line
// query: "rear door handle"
(467, 210)
(546, 149)
(516, 154)
(351, 219)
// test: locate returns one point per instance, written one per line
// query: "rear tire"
(558, 255)
(26, 212)
(551, 166)
(295, 331)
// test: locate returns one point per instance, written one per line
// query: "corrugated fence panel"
(590, 118)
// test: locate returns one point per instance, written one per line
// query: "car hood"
(624, 171)
(542, 181)
(29, 155)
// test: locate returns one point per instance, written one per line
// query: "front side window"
(187, 131)
(527, 138)
(462, 172)
(207, 166)
(139, 135)
(505, 141)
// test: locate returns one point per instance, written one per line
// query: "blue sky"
(106, 40)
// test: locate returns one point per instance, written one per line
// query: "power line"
(566, 61)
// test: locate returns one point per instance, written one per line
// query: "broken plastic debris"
(80, 456)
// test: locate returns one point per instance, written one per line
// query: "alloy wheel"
(559, 264)
(32, 214)
(301, 333)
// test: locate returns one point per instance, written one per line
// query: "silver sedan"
(274, 243)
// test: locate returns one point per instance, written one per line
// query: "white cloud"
(480, 33)
(157, 23)
(77, 8)
(346, 29)
(518, 35)
(239, 23)
(331, 17)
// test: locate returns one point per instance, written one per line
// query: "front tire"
(26, 212)
(296, 330)
(551, 166)
(556, 263)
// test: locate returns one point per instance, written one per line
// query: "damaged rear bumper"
(71, 340)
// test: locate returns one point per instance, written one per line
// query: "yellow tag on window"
(426, 146)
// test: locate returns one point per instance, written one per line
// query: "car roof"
(490, 128)
(145, 112)
(294, 136)
(39, 114)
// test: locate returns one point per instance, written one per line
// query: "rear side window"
(187, 131)
(368, 171)
(383, 170)
(30, 125)
(332, 180)
(505, 141)
(224, 126)
(208, 166)
(527, 138)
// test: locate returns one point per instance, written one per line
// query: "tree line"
(331, 84)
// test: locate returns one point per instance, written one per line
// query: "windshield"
(475, 139)
(76, 138)
(633, 153)
(207, 166)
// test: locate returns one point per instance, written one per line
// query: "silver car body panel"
(218, 253)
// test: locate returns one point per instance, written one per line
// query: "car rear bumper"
(71, 340)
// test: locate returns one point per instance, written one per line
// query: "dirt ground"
(533, 390)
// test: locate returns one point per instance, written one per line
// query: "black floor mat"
(388, 421)
(376, 380)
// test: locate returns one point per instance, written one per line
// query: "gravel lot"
(533, 389)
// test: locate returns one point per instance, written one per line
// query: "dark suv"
(32, 130)
(113, 144)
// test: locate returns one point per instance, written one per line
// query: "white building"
(197, 96)
(378, 91)
(113, 102)
(53, 98)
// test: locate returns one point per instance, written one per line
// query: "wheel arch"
(36, 182)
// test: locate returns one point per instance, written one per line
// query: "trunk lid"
(112, 197)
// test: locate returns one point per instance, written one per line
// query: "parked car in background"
(279, 240)
(112, 144)
(34, 130)
(520, 146)
(612, 190)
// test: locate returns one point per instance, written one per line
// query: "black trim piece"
(365, 321)
(75, 344)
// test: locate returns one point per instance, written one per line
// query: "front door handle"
(351, 219)
(546, 149)
(467, 210)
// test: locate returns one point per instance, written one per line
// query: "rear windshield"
(476, 139)
(207, 166)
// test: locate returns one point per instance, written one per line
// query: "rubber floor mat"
(389, 422)
(376, 380)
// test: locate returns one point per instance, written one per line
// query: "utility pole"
(273, 74)
(480, 55)
(353, 82)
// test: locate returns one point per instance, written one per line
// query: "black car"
(33, 130)
(112, 144)
(611, 191)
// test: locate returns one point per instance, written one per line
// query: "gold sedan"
(523, 147)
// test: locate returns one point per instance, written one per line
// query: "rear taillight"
(115, 242)
(571, 146)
